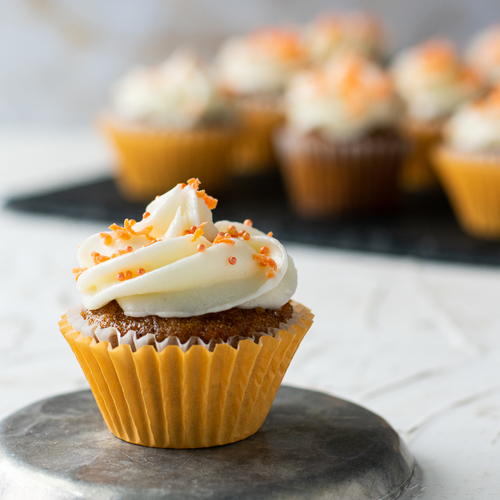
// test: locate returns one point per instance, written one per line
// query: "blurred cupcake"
(469, 165)
(433, 82)
(169, 123)
(254, 71)
(338, 34)
(187, 326)
(483, 54)
(341, 149)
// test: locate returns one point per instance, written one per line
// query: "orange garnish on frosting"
(129, 274)
(78, 271)
(283, 43)
(210, 201)
(232, 260)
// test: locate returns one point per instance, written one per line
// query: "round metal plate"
(311, 446)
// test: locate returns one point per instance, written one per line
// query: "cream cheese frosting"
(336, 34)
(433, 81)
(176, 262)
(475, 128)
(180, 93)
(483, 54)
(260, 63)
(343, 99)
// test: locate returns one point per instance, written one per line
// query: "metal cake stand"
(311, 446)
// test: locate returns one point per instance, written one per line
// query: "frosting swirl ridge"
(176, 262)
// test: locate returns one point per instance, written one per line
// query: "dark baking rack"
(422, 226)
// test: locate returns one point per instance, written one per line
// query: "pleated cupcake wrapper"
(151, 161)
(418, 174)
(327, 179)
(187, 399)
(254, 150)
(114, 338)
(472, 182)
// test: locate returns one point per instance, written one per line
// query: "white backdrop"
(58, 57)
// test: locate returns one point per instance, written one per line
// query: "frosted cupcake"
(468, 164)
(254, 71)
(169, 123)
(433, 83)
(483, 54)
(187, 326)
(341, 148)
(338, 34)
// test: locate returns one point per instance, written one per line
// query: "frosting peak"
(176, 262)
(260, 63)
(433, 80)
(343, 99)
(180, 93)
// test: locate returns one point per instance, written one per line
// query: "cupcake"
(334, 35)
(483, 54)
(254, 71)
(169, 123)
(433, 82)
(187, 326)
(341, 150)
(468, 164)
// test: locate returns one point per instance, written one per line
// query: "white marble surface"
(414, 341)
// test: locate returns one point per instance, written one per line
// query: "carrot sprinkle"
(108, 239)
(270, 274)
(264, 250)
(201, 247)
(145, 215)
(129, 274)
(248, 222)
(270, 234)
(198, 232)
(232, 260)
(194, 183)
(141, 271)
(78, 271)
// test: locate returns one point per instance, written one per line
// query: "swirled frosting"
(343, 100)
(475, 128)
(176, 262)
(336, 34)
(483, 54)
(180, 93)
(261, 63)
(433, 81)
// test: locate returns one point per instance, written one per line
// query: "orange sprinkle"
(198, 232)
(108, 239)
(265, 261)
(270, 274)
(145, 215)
(210, 201)
(141, 271)
(194, 183)
(264, 250)
(201, 247)
(270, 234)
(244, 234)
(248, 222)
(98, 258)
(78, 271)
(182, 185)
(232, 260)
(120, 276)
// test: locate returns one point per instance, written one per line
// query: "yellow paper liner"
(151, 161)
(254, 150)
(187, 399)
(324, 178)
(417, 174)
(472, 182)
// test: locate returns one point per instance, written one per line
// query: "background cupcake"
(337, 34)
(341, 149)
(433, 82)
(169, 123)
(187, 327)
(254, 71)
(469, 165)
(483, 54)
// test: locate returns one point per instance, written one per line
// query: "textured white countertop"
(417, 342)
